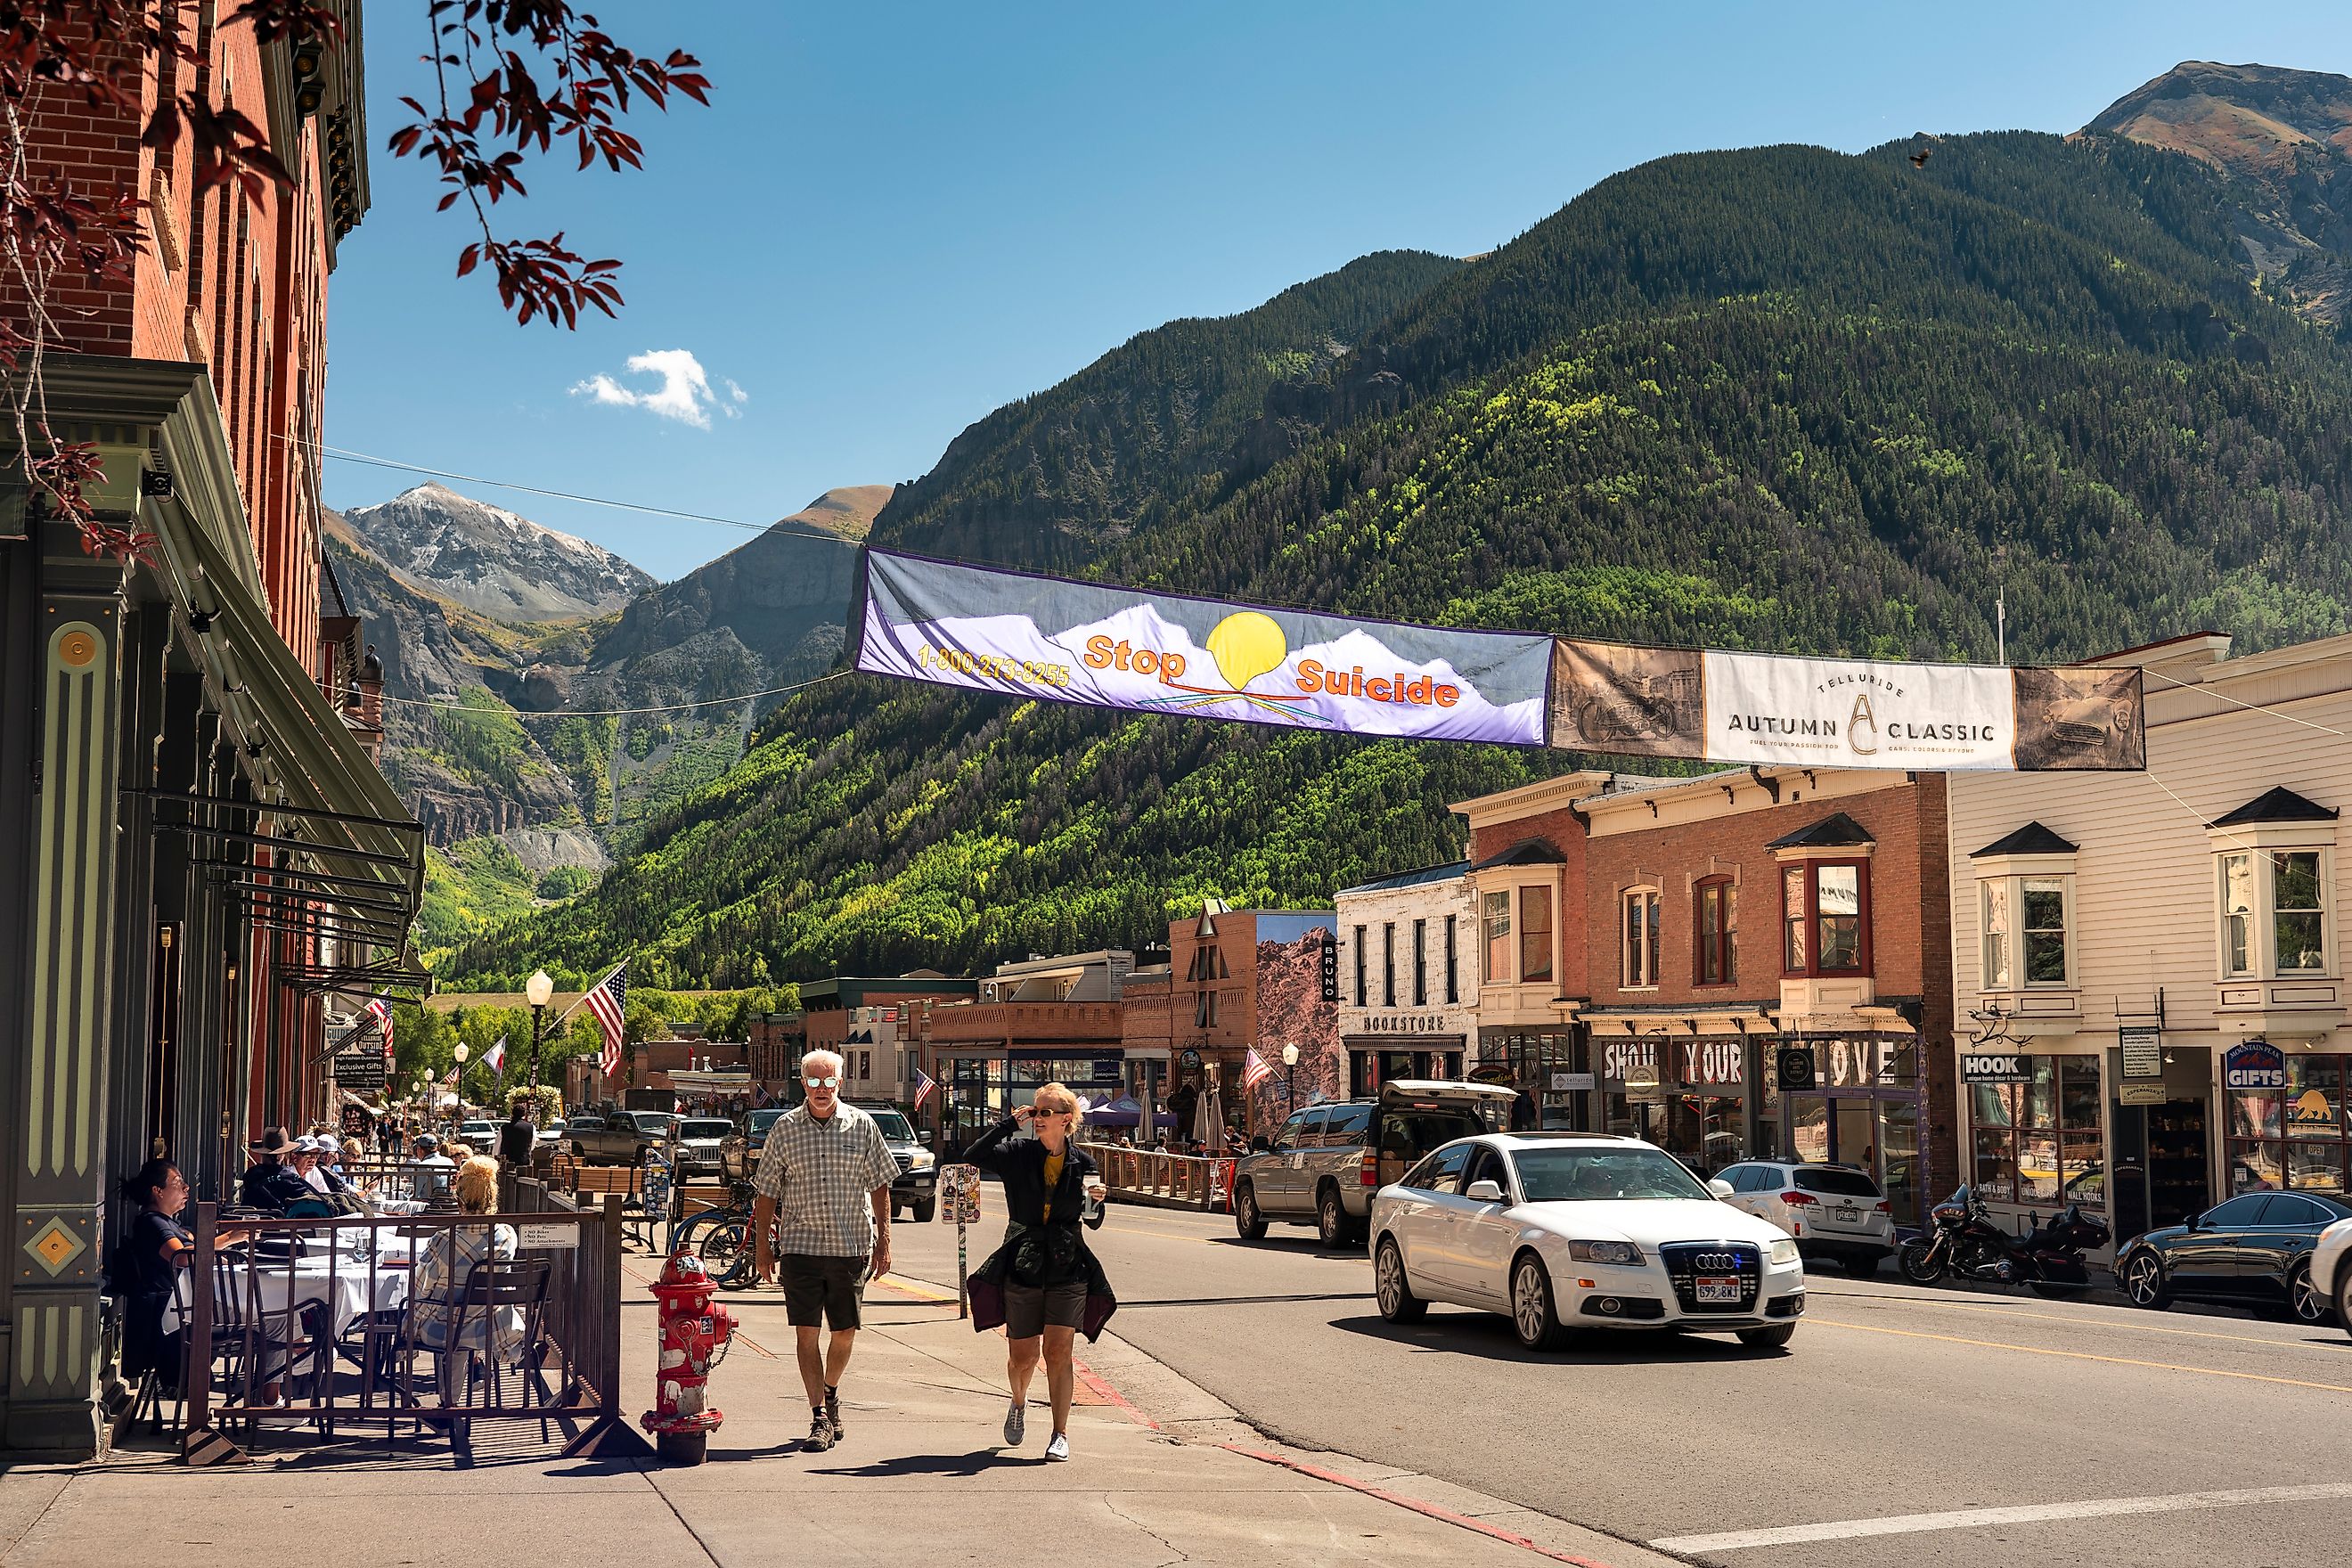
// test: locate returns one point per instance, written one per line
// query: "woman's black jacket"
(1044, 1241)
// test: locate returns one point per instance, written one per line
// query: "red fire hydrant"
(695, 1334)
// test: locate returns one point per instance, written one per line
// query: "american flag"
(380, 1009)
(606, 1001)
(495, 1058)
(1254, 1070)
(923, 1086)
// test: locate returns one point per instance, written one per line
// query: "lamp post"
(462, 1051)
(537, 991)
(1290, 1074)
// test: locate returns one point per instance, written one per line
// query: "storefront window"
(2039, 1142)
(1499, 939)
(2294, 1139)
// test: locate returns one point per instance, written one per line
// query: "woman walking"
(1043, 1283)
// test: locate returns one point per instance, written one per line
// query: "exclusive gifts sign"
(1108, 647)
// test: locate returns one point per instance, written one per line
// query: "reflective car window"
(1310, 1136)
(1442, 1172)
(2238, 1211)
(1350, 1123)
(1602, 1172)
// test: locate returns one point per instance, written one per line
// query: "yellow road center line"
(2080, 1355)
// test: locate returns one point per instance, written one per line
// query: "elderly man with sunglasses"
(823, 1180)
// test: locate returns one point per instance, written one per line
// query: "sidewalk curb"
(1183, 1411)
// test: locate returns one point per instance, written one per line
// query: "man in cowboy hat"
(270, 1183)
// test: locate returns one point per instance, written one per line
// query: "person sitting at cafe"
(270, 1183)
(329, 1172)
(431, 1171)
(145, 1271)
(438, 1318)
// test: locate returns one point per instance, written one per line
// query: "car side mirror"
(2194, 1222)
(1720, 1187)
(1484, 1192)
(923, 1136)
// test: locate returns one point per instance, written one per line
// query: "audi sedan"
(1564, 1231)
(2256, 1250)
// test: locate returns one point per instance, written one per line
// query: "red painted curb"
(1109, 1395)
(1427, 1510)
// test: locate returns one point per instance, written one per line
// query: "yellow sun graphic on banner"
(1246, 645)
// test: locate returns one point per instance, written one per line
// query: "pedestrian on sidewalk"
(823, 1180)
(518, 1139)
(1042, 1284)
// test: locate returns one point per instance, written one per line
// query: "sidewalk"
(917, 1483)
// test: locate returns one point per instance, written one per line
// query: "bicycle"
(721, 1237)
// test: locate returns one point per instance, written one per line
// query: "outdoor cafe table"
(343, 1289)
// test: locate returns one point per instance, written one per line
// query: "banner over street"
(1767, 709)
(1108, 647)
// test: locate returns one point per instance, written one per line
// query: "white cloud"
(684, 394)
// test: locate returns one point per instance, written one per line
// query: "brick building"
(1621, 990)
(1040, 1020)
(183, 734)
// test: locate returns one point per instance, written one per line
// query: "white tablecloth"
(344, 1290)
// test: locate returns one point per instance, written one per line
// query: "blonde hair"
(477, 1186)
(1070, 1102)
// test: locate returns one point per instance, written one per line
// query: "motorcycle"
(1964, 1240)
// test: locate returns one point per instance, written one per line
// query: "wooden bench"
(583, 1180)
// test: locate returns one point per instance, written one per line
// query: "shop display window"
(2039, 1141)
(2297, 1138)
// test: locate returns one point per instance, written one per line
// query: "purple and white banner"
(1108, 646)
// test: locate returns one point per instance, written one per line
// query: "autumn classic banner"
(1159, 653)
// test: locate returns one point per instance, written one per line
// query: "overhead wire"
(454, 706)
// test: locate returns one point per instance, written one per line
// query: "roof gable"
(1526, 852)
(2031, 839)
(1834, 831)
(2276, 803)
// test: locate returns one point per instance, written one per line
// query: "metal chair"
(492, 1287)
(243, 1330)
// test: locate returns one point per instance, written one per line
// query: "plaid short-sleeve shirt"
(822, 1174)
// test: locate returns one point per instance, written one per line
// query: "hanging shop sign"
(1994, 1066)
(2143, 1053)
(1108, 646)
(360, 1068)
(2130, 1092)
(1328, 965)
(1765, 708)
(2257, 1064)
(1794, 1070)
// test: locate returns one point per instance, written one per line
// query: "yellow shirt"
(1054, 1174)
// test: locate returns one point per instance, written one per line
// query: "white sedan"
(1579, 1230)
(2330, 1278)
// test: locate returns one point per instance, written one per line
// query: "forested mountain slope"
(1777, 398)
(1167, 418)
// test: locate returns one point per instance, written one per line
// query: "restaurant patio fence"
(304, 1328)
(1161, 1180)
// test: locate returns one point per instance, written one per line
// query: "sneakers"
(1016, 1423)
(833, 1413)
(1059, 1448)
(822, 1435)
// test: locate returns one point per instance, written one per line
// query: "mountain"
(2283, 140)
(1176, 413)
(766, 612)
(1778, 398)
(490, 560)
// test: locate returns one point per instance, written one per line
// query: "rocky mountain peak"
(490, 560)
(2282, 140)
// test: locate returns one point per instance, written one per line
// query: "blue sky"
(895, 218)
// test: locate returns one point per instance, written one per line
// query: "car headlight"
(923, 1159)
(1605, 1252)
(1784, 1251)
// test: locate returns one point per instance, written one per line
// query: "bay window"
(1535, 934)
(2027, 925)
(2276, 913)
(1499, 939)
(1825, 917)
(1641, 969)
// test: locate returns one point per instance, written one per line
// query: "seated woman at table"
(437, 1286)
(146, 1266)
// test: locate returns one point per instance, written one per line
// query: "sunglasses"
(822, 1082)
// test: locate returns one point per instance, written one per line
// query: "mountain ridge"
(491, 561)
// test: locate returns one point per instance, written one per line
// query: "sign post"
(961, 1186)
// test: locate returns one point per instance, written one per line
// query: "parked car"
(1835, 1212)
(695, 1144)
(2331, 1269)
(1327, 1160)
(917, 1188)
(1564, 1231)
(614, 1138)
(2257, 1249)
(482, 1137)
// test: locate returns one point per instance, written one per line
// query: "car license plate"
(1712, 1292)
(1849, 1216)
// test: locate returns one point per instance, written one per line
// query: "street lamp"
(1290, 1074)
(460, 1053)
(537, 991)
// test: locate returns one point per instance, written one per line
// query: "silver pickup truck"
(1328, 1160)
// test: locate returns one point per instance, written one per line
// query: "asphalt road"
(2112, 1429)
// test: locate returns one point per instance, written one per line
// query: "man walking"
(825, 1175)
(517, 1139)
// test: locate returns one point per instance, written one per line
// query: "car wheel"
(1398, 1303)
(1863, 1267)
(1768, 1339)
(1332, 1227)
(927, 1211)
(2142, 1275)
(1534, 1314)
(1248, 1223)
(2304, 1301)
